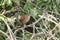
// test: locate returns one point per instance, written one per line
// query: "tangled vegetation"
(44, 22)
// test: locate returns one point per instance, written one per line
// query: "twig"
(37, 34)
(12, 36)
(5, 34)
(12, 10)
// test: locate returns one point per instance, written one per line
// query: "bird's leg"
(24, 26)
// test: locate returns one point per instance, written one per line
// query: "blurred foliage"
(31, 6)
(2, 37)
(2, 25)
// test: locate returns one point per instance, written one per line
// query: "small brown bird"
(24, 19)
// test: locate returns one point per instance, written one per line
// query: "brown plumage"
(24, 19)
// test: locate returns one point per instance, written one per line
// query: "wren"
(24, 19)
